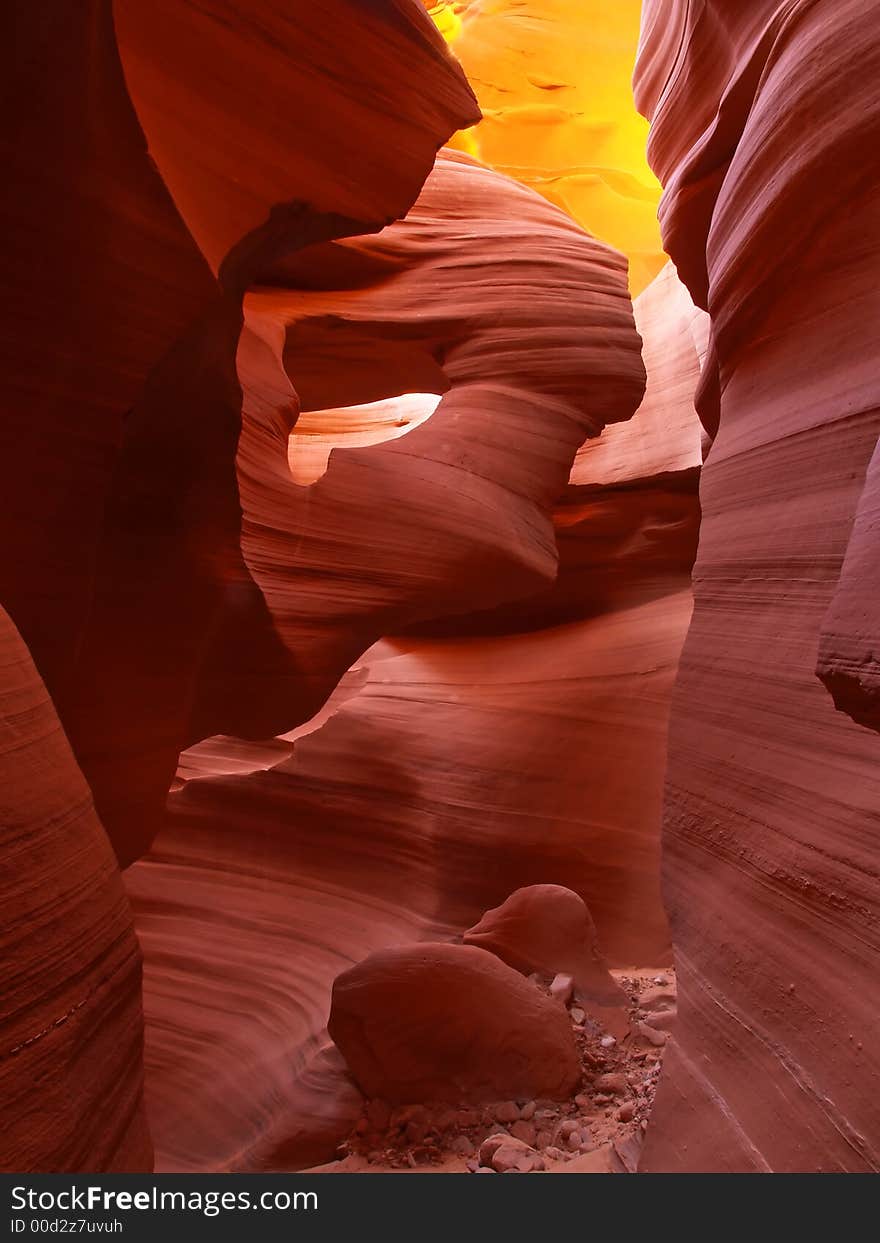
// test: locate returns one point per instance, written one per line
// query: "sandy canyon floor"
(598, 1130)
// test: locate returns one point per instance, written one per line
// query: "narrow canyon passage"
(439, 678)
(480, 752)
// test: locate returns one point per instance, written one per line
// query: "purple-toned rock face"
(770, 821)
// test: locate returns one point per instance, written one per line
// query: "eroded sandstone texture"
(122, 397)
(762, 114)
(71, 1023)
(350, 471)
(397, 813)
(120, 555)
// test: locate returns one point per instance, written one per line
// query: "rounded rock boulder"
(450, 1023)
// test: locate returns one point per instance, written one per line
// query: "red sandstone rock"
(425, 729)
(120, 555)
(761, 116)
(326, 1107)
(294, 915)
(433, 303)
(547, 928)
(102, 297)
(71, 1025)
(602, 1160)
(849, 644)
(450, 1022)
(121, 394)
(351, 782)
(252, 107)
(173, 640)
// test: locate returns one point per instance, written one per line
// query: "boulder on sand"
(447, 1022)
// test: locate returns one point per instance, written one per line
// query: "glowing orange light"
(553, 80)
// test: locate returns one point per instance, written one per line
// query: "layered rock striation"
(71, 1021)
(761, 114)
(126, 261)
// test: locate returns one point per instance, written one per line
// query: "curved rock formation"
(771, 216)
(246, 917)
(253, 114)
(355, 504)
(120, 560)
(435, 1022)
(71, 1025)
(433, 303)
(449, 770)
(338, 567)
(122, 395)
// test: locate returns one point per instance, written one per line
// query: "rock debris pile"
(457, 1022)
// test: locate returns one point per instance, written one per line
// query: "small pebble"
(626, 1112)
(507, 1111)
(528, 1111)
(611, 1083)
(654, 1037)
(511, 1156)
(607, 1042)
(578, 1016)
(661, 1019)
(562, 987)
(524, 1131)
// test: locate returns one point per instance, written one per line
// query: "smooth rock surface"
(761, 116)
(449, 1022)
(71, 1023)
(548, 928)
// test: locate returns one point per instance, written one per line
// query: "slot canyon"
(440, 579)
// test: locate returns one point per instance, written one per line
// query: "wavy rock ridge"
(120, 558)
(350, 471)
(378, 826)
